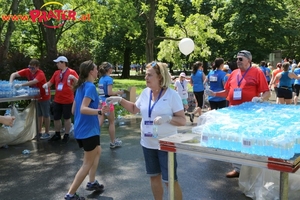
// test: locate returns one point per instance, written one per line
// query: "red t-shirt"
(275, 72)
(253, 83)
(64, 95)
(40, 77)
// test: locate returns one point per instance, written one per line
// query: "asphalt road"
(47, 172)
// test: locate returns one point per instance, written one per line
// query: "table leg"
(171, 175)
(284, 185)
(36, 120)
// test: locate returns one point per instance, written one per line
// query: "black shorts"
(217, 104)
(89, 144)
(199, 98)
(297, 89)
(284, 93)
(62, 110)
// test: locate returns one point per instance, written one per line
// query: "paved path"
(46, 173)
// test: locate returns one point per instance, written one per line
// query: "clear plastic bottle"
(47, 91)
(155, 131)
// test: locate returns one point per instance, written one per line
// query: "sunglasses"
(153, 64)
(239, 59)
(31, 68)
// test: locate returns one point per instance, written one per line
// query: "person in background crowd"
(285, 91)
(87, 129)
(266, 71)
(275, 83)
(297, 84)
(62, 79)
(244, 85)
(7, 120)
(36, 78)
(106, 90)
(181, 86)
(161, 114)
(215, 79)
(197, 81)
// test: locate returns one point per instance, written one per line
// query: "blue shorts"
(157, 163)
(43, 108)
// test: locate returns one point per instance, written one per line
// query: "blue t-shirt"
(297, 72)
(104, 82)
(198, 81)
(285, 80)
(215, 79)
(86, 126)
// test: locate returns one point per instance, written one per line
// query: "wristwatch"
(99, 112)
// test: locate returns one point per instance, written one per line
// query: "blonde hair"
(161, 70)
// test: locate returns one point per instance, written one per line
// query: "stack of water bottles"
(7, 89)
(263, 129)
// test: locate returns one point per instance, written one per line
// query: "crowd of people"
(162, 108)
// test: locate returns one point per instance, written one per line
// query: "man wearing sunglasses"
(244, 84)
(36, 78)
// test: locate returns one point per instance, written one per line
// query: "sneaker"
(66, 138)
(94, 186)
(55, 138)
(117, 143)
(37, 136)
(192, 116)
(45, 136)
(74, 197)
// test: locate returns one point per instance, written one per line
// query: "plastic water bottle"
(104, 104)
(206, 89)
(47, 91)
(155, 131)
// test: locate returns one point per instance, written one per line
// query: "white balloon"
(186, 46)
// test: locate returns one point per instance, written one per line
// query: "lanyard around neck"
(61, 75)
(239, 81)
(150, 108)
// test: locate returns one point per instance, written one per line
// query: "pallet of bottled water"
(263, 129)
(8, 90)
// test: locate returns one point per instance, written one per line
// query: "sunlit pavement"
(48, 170)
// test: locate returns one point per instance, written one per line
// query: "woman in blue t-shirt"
(197, 81)
(105, 90)
(86, 128)
(216, 79)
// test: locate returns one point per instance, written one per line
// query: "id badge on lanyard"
(148, 128)
(60, 86)
(237, 93)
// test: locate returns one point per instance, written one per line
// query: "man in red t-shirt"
(62, 79)
(243, 85)
(36, 78)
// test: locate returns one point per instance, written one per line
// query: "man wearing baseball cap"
(62, 79)
(244, 84)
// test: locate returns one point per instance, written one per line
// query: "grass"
(124, 84)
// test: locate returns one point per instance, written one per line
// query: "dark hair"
(217, 63)
(279, 65)
(103, 68)
(84, 70)
(196, 66)
(34, 62)
(263, 63)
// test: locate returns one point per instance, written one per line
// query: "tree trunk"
(126, 64)
(10, 29)
(49, 36)
(150, 25)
